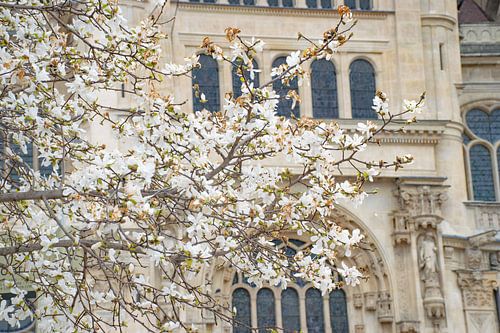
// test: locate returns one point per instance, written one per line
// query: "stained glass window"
(338, 312)
(243, 317)
(285, 105)
(206, 79)
(273, 3)
(324, 89)
(237, 79)
(485, 126)
(359, 4)
(312, 3)
(482, 173)
(290, 311)
(266, 311)
(314, 311)
(362, 81)
(287, 3)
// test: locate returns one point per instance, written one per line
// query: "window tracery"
(363, 89)
(482, 148)
(324, 89)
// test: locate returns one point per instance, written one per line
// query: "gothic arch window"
(359, 4)
(482, 150)
(324, 89)
(314, 311)
(236, 78)
(242, 307)
(363, 88)
(338, 311)
(206, 81)
(276, 306)
(266, 310)
(285, 105)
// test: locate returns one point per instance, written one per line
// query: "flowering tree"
(83, 226)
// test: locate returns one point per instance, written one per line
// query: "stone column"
(418, 253)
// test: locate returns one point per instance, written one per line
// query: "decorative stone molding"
(407, 326)
(359, 329)
(486, 214)
(384, 308)
(357, 300)
(371, 301)
(477, 290)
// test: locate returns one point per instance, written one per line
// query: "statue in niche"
(428, 258)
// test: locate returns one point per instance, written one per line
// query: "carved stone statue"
(428, 258)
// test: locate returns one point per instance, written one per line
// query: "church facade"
(432, 253)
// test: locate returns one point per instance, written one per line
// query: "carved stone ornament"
(477, 291)
(359, 328)
(418, 198)
(357, 300)
(407, 327)
(371, 301)
(474, 258)
(384, 308)
(429, 274)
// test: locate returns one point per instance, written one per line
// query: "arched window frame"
(471, 139)
(213, 103)
(371, 113)
(239, 281)
(334, 112)
(296, 111)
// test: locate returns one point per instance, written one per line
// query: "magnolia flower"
(351, 275)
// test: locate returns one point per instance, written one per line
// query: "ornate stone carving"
(421, 199)
(494, 261)
(407, 327)
(357, 300)
(474, 258)
(371, 301)
(359, 328)
(429, 274)
(384, 308)
(401, 225)
(477, 292)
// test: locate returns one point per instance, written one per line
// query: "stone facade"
(434, 259)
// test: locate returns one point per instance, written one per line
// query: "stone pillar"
(417, 241)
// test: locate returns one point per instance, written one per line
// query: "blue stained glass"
(324, 89)
(234, 2)
(362, 81)
(466, 139)
(484, 125)
(237, 79)
(249, 2)
(326, 4)
(25, 323)
(287, 3)
(482, 173)
(289, 252)
(266, 311)
(242, 321)
(314, 311)
(26, 157)
(207, 79)
(297, 242)
(365, 4)
(350, 3)
(290, 310)
(285, 105)
(338, 312)
(312, 3)
(273, 3)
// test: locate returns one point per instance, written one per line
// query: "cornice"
(276, 11)
(442, 20)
